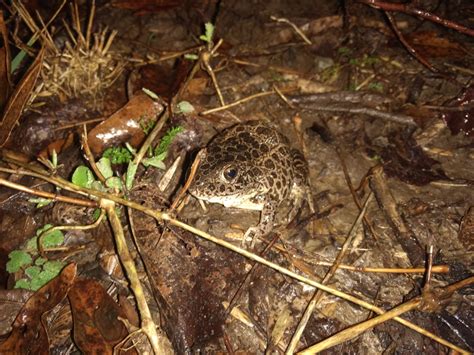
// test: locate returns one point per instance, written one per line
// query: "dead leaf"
(461, 121)
(19, 98)
(404, 159)
(97, 328)
(29, 335)
(58, 146)
(430, 45)
(125, 125)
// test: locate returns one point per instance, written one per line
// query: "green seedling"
(208, 33)
(40, 202)
(37, 270)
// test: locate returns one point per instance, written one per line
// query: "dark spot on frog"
(269, 164)
(264, 148)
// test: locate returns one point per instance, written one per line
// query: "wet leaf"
(83, 177)
(430, 44)
(404, 159)
(461, 121)
(96, 325)
(114, 183)
(105, 167)
(125, 124)
(29, 335)
(19, 98)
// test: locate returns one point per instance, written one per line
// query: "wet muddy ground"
(391, 161)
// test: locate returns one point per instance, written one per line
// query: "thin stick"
(356, 330)
(296, 28)
(90, 156)
(159, 343)
(238, 102)
(48, 195)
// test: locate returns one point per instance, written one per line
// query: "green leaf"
(114, 182)
(105, 167)
(83, 177)
(40, 261)
(191, 57)
(23, 283)
(32, 243)
(117, 155)
(156, 161)
(96, 214)
(53, 266)
(52, 239)
(40, 202)
(18, 259)
(130, 176)
(98, 186)
(185, 107)
(208, 33)
(32, 271)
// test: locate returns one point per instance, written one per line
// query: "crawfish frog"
(252, 166)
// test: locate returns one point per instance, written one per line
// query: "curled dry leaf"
(19, 98)
(97, 328)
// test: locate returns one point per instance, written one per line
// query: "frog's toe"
(251, 236)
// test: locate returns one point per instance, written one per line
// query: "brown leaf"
(125, 125)
(404, 159)
(58, 146)
(429, 44)
(19, 98)
(29, 335)
(97, 328)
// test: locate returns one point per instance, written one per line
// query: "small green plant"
(118, 155)
(84, 177)
(208, 33)
(37, 270)
(40, 202)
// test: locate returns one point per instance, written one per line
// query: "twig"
(407, 45)
(409, 9)
(296, 28)
(61, 228)
(44, 194)
(421, 270)
(90, 156)
(356, 330)
(159, 343)
(205, 60)
(238, 102)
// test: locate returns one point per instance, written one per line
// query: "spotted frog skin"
(252, 166)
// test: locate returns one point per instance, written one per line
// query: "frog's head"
(228, 179)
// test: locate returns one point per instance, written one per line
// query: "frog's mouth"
(248, 202)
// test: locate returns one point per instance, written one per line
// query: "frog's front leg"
(264, 227)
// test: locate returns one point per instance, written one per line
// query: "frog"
(252, 166)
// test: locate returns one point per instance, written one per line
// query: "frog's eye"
(230, 173)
